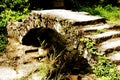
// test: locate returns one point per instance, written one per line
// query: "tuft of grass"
(48, 69)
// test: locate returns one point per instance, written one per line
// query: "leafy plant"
(5, 16)
(112, 14)
(104, 69)
(14, 4)
(89, 44)
(9, 15)
(10, 10)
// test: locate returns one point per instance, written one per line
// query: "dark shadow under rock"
(46, 38)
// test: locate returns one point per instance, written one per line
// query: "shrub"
(14, 4)
(5, 16)
(112, 14)
(10, 10)
(9, 15)
(105, 69)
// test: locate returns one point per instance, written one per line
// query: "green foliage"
(14, 10)
(92, 3)
(101, 31)
(9, 15)
(44, 69)
(14, 4)
(49, 67)
(89, 44)
(3, 42)
(112, 14)
(5, 16)
(105, 69)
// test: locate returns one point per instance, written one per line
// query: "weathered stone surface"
(90, 28)
(23, 70)
(114, 56)
(7, 73)
(101, 37)
(109, 46)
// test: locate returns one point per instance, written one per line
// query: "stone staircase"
(107, 39)
(72, 25)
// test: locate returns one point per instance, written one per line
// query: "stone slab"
(109, 46)
(71, 16)
(96, 27)
(114, 56)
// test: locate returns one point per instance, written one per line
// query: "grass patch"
(112, 14)
(50, 69)
(104, 69)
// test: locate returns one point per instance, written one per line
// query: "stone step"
(118, 67)
(115, 27)
(98, 38)
(93, 28)
(109, 46)
(114, 57)
(75, 18)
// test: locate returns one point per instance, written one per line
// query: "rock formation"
(25, 38)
